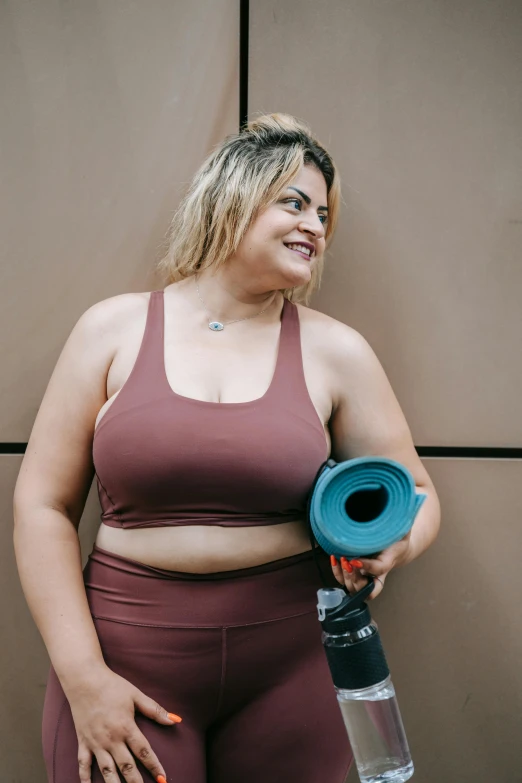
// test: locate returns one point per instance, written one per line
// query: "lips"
(304, 244)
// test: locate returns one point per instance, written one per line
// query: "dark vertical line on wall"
(244, 24)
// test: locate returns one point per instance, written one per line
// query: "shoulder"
(102, 329)
(333, 338)
(110, 318)
(107, 314)
(345, 355)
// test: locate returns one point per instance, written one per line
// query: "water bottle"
(364, 688)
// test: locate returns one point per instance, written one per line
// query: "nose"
(313, 226)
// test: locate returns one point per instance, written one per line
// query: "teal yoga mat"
(361, 506)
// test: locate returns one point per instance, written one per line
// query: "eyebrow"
(306, 198)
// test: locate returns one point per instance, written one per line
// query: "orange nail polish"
(161, 779)
(333, 561)
(174, 717)
(356, 563)
(346, 565)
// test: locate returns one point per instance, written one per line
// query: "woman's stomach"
(203, 549)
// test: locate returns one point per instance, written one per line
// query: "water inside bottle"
(377, 737)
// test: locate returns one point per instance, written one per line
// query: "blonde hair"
(242, 176)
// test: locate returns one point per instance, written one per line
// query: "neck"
(227, 298)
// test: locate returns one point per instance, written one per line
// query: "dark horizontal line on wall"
(449, 452)
(469, 452)
(13, 448)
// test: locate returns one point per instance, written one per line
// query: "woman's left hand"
(351, 572)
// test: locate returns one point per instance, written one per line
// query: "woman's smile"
(302, 249)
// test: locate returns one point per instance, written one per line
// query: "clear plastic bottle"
(364, 688)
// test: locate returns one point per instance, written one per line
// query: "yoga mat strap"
(311, 536)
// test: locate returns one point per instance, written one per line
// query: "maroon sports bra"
(164, 459)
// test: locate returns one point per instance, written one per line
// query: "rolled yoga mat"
(361, 506)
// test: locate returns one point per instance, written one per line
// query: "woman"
(190, 649)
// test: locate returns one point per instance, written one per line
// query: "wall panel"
(420, 104)
(24, 661)
(23, 658)
(107, 111)
(451, 628)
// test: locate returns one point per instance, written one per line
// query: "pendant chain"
(218, 326)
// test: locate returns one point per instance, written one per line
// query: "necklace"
(218, 326)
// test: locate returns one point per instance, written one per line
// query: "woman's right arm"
(49, 499)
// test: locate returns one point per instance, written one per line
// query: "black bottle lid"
(363, 663)
(350, 615)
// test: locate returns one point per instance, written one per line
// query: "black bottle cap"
(358, 665)
(351, 614)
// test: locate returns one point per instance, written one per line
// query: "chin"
(295, 280)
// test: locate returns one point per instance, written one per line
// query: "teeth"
(302, 248)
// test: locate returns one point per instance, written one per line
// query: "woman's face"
(268, 253)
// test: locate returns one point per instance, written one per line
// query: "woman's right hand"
(103, 712)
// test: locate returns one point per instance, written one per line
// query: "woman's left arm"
(368, 421)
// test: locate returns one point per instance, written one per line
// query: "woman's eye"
(322, 218)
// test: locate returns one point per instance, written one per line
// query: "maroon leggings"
(237, 654)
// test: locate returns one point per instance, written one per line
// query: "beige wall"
(107, 110)
(450, 624)
(420, 102)
(110, 107)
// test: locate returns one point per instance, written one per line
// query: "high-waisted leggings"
(237, 654)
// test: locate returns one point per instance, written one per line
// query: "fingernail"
(346, 565)
(356, 563)
(333, 561)
(161, 779)
(174, 718)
